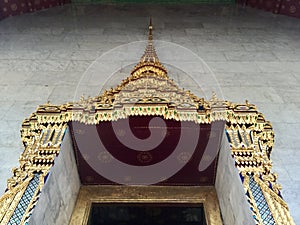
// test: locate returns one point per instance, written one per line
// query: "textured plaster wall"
(234, 206)
(59, 194)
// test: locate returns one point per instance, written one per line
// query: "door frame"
(146, 194)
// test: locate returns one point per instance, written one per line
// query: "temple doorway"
(146, 205)
(146, 214)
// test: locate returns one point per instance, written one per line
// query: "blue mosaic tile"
(261, 203)
(24, 202)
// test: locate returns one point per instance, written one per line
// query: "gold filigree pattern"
(252, 144)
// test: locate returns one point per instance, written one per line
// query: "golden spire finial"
(150, 37)
(149, 58)
(150, 53)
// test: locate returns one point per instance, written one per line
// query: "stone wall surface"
(251, 54)
(233, 203)
(58, 197)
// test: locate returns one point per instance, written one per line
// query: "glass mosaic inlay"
(24, 202)
(261, 203)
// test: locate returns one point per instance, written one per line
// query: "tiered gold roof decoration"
(148, 91)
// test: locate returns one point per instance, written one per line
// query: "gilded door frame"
(146, 194)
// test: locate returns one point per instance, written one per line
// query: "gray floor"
(253, 55)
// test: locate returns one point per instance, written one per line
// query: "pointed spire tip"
(150, 57)
(150, 37)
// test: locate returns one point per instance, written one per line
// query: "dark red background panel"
(188, 175)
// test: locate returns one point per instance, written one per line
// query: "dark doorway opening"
(146, 214)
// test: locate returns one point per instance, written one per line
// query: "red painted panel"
(13, 7)
(286, 7)
(114, 135)
(268, 5)
(17, 7)
(290, 8)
